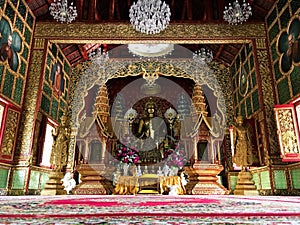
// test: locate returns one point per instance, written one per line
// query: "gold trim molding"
(120, 33)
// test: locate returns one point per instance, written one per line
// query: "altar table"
(131, 185)
(127, 185)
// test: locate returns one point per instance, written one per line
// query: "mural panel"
(16, 31)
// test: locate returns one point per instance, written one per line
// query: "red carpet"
(145, 209)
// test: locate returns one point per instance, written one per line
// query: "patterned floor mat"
(147, 209)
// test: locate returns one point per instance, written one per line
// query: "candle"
(231, 139)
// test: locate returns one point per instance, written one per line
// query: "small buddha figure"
(242, 145)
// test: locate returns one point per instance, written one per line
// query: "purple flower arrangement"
(127, 154)
(175, 156)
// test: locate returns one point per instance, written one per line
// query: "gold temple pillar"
(27, 137)
(31, 104)
(266, 117)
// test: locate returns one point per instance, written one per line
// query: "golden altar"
(147, 184)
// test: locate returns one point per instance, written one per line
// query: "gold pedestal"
(54, 184)
(245, 185)
(96, 180)
(203, 180)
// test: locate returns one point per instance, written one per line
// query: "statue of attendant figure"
(242, 145)
(59, 154)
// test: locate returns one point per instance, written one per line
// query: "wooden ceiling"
(183, 11)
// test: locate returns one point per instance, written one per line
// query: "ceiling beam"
(218, 53)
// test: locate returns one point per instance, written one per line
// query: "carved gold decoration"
(288, 133)
(261, 43)
(124, 33)
(72, 146)
(39, 43)
(28, 115)
(203, 180)
(93, 74)
(10, 132)
(268, 98)
(223, 76)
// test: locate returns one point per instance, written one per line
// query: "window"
(47, 147)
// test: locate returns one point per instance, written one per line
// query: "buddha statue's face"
(150, 109)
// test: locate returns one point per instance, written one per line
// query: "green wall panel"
(278, 74)
(255, 179)
(295, 80)
(279, 179)
(27, 35)
(34, 180)
(1, 73)
(265, 180)
(275, 55)
(23, 68)
(17, 13)
(19, 24)
(19, 179)
(248, 105)
(54, 108)
(30, 20)
(3, 178)
(45, 105)
(243, 110)
(18, 90)
(22, 9)
(285, 17)
(274, 31)
(283, 91)
(15, 2)
(253, 76)
(272, 17)
(44, 179)
(281, 4)
(47, 90)
(233, 181)
(295, 176)
(9, 12)
(295, 5)
(8, 84)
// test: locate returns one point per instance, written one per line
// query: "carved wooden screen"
(288, 132)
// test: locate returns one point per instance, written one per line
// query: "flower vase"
(173, 171)
(125, 169)
(133, 170)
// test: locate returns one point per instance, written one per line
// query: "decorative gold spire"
(199, 101)
(102, 105)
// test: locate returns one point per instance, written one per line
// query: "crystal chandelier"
(149, 16)
(203, 56)
(236, 13)
(99, 56)
(61, 12)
